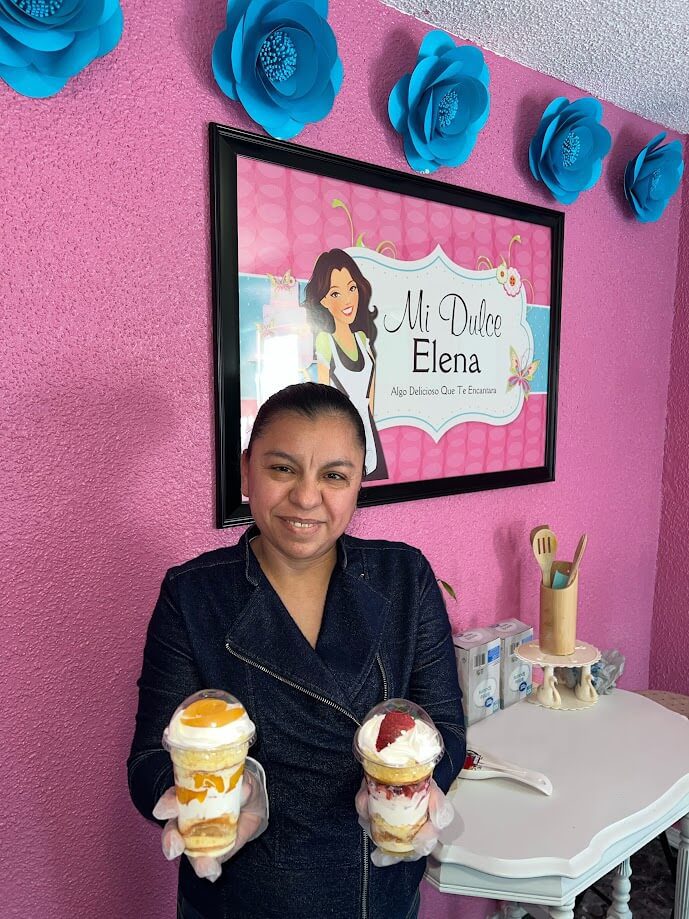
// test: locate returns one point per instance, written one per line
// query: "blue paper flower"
(279, 59)
(440, 106)
(43, 43)
(568, 148)
(652, 178)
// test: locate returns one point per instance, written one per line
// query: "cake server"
(479, 766)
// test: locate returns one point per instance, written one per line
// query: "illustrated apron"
(354, 378)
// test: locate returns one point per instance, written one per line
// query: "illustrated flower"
(506, 275)
(568, 148)
(279, 59)
(513, 284)
(44, 43)
(652, 178)
(440, 106)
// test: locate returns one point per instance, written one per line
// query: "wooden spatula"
(577, 559)
(532, 534)
(544, 545)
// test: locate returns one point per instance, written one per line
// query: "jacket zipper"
(385, 679)
(339, 708)
(282, 679)
(364, 889)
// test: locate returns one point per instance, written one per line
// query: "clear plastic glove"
(440, 815)
(253, 820)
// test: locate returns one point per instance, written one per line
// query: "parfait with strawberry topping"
(208, 739)
(398, 745)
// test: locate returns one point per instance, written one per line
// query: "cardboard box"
(478, 664)
(515, 675)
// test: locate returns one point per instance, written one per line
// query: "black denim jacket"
(385, 633)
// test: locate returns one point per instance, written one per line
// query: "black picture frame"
(226, 145)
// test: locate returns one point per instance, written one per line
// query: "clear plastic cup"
(398, 776)
(208, 739)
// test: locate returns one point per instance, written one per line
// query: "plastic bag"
(604, 673)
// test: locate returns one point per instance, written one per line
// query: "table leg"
(562, 912)
(682, 885)
(621, 887)
(513, 911)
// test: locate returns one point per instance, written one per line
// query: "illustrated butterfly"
(285, 283)
(521, 374)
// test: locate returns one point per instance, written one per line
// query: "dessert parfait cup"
(398, 755)
(208, 739)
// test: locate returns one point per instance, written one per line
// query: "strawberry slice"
(392, 726)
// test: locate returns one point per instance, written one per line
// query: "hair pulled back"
(311, 400)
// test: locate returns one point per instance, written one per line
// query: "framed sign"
(435, 308)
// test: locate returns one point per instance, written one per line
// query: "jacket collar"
(252, 569)
(353, 625)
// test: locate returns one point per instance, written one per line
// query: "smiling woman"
(303, 498)
(309, 628)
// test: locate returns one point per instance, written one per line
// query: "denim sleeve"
(434, 681)
(169, 674)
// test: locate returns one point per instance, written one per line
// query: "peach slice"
(235, 778)
(209, 780)
(185, 795)
(211, 713)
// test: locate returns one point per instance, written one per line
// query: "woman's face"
(302, 482)
(342, 298)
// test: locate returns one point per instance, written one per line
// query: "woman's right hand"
(253, 820)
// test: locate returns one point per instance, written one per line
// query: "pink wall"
(670, 646)
(107, 460)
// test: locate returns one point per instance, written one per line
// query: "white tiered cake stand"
(551, 695)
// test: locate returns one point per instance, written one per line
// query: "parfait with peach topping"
(208, 739)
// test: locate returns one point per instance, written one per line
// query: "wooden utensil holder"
(558, 619)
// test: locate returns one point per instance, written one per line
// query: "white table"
(620, 774)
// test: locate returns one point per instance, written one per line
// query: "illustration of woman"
(336, 300)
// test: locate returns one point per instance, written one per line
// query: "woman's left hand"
(440, 815)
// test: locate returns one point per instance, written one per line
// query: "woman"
(337, 305)
(309, 628)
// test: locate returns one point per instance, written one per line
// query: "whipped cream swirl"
(418, 745)
(187, 736)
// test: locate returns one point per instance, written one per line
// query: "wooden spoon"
(544, 545)
(577, 559)
(532, 534)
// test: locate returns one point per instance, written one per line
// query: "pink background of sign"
(286, 220)
(106, 420)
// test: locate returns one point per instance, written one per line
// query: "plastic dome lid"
(398, 732)
(207, 720)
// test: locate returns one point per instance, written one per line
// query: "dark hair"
(319, 318)
(311, 400)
